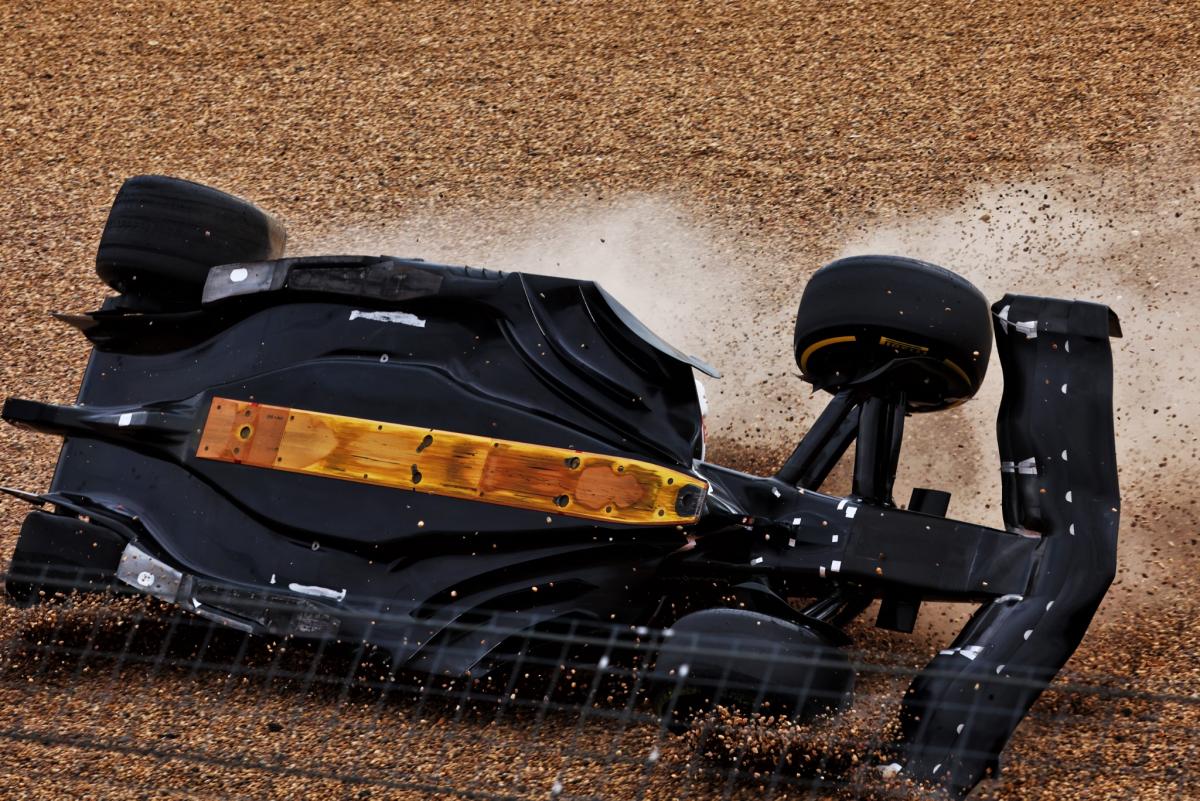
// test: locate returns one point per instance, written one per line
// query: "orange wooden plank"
(553, 480)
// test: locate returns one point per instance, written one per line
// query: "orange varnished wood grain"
(553, 480)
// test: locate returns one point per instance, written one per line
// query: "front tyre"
(751, 662)
(887, 324)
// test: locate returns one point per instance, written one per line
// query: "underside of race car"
(434, 459)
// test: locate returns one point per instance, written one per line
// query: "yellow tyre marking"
(557, 481)
(818, 345)
(958, 370)
(898, 345)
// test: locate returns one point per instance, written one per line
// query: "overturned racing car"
(434, 459)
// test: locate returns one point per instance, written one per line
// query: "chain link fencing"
(110, 695)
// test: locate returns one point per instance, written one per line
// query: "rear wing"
(1059, 475)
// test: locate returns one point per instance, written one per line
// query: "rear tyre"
(163, 234)
(60, 554)
(890, 324)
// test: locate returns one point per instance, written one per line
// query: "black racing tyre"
(163, 234)
(888, 323)
(57, 554)
(751, 662)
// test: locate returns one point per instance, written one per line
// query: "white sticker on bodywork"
(971, 651)
(403, 318)
(318, 592)
(1027, 327)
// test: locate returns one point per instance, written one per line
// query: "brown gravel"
(712, 154)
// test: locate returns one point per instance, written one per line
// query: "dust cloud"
(1127, 240)
(688, 279)
(1124, 239)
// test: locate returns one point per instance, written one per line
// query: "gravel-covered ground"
(702, 159)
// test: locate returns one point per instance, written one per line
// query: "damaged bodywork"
(434, 458)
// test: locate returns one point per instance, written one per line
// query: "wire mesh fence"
(112, 695)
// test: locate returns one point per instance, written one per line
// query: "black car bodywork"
(557, 362)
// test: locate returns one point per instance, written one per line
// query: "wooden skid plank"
(553, 480)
